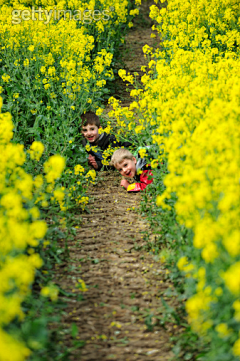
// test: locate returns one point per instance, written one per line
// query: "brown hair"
(119, 155)
(90, 118)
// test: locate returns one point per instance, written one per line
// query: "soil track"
(132, 52)
(116, 317)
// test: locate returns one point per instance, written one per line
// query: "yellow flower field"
(56, 63)
(189, 109)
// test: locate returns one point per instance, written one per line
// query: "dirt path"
(132, 53)
(116, 317)
(124, 285)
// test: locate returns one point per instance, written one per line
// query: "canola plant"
(56, 59)
(188, 107)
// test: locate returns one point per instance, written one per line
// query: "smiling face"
(90, 132)
(127, 167)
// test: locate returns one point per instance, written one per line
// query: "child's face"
(90, 132)
(127, 167)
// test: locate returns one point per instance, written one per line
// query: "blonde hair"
(119, 155)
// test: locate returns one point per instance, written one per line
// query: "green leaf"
(74, 330)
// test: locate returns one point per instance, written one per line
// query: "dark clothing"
(103, 142)
(144, 177)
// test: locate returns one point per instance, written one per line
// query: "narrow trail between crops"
(121, 316)
(122, 302)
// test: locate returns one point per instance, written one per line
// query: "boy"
(89, 129)
(130, 167)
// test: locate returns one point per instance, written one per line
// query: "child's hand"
(124, 183)
(92, 161)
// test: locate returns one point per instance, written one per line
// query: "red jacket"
(145, 178)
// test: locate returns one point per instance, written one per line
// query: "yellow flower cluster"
(190, 109)
(20, 229)
(91, 174)
(54, 167)
(82, 201)
(19, 352)
(78, 169)
(50, 291)
(107, 153)
(59, 46)
(81, 285)
(59, 196)
(36, 150)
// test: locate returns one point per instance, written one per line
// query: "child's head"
(124, 162)
(90, 126)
